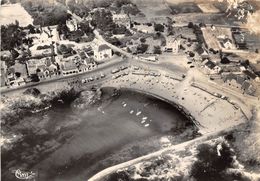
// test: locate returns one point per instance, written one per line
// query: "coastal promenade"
(63, 82)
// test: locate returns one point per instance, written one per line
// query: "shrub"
(210, 166)
(158, 27)
(157, 50)
(142, 48)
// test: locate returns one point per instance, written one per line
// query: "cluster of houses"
(226, 66)
(46, 62)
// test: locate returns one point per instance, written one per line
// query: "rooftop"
(103, 47)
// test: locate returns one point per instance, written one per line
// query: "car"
(136, 68)
(102, 75)
(115, 71)
(123, 68)
(192, 66)
(91, 79)
(211, 78)
(189, 62)
(83, 81)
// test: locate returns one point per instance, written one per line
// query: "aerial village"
(50, 52)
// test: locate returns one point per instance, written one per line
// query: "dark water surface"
(75, 140)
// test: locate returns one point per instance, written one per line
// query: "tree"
(191, 54)
(14, 53)
(103, 20)
(35, 78)
(211, 164)
(84, 26)
(158, 27)
(11, 36)
(190, 25)
(130, 9)
(225, 60)
(17, 74)
(157, 50)
(31, 29)
(142, 48)
(142, 40)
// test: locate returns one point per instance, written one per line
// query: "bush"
(191, 54)
(142, 40)
(158, 27)
(157, 50)
(225, 60)
(43, 47)
(142, 48)
(190, 25)
(210, 166)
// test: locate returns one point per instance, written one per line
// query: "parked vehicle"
(115, 71)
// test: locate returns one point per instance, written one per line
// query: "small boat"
(124, 105)
(131, 112)
(138, 113)
(146, 125)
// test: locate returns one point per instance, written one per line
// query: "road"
(172, 149)
(105, 68)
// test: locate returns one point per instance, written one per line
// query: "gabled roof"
(227, 40)
(210, 64)
(103, 47)
(245, 85)
(202, 51)
(239, 79)
(68, 65)
(251, 75)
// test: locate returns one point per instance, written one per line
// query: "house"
(251, 75)
(256, 68)
(42, 50)
(68, 67)
(122, 19)
(3, 74)
(5, 54)
(211, 67)
(20, 68)
(34, 64)
(42, 67)
(172, 45)
(248, 88)
(72, 24)
(42, 72)
(203, 53)
(227, 43)
(239, 39)
(16, 82)
(102, 52)
(144, 28)
(233, 80)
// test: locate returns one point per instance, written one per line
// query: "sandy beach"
(211, 111)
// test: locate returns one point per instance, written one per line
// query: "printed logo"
(23, 175)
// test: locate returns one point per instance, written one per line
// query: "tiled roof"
(103, 47)
(69, 65)
(210, 64)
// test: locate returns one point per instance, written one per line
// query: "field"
(10, 13)
(208, 8)
(211, 37)
(187, 7)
